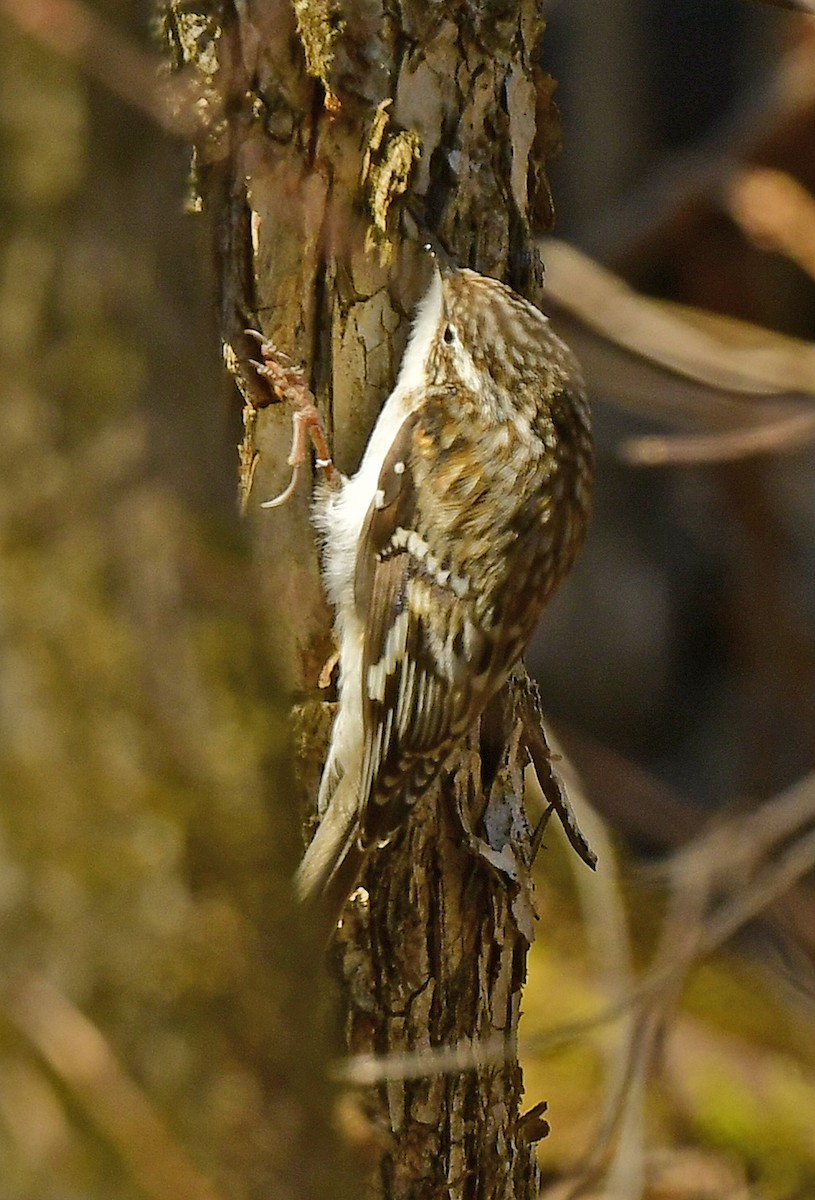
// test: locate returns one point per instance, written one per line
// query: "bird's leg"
(289, 384)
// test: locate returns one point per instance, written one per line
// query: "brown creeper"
(469, 506)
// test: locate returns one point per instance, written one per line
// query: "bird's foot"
(288, 383)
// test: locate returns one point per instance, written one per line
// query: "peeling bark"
(337, 136)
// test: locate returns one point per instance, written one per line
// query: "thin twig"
(724, 857)
(534, 736)
(777, 437)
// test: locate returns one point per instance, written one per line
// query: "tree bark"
(335, 138)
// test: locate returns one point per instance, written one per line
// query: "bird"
(439, 554)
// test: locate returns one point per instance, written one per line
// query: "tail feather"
(333, 860)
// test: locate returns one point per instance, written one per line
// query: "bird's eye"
(449, 334)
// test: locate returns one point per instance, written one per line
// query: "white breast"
(340, 515)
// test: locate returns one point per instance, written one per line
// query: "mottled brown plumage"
(469, 507)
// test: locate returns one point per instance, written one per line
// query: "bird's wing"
(421, 670)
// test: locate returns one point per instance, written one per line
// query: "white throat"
(426, 322)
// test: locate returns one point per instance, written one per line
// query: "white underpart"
(339, 517)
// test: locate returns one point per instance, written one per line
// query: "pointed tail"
(333, 860)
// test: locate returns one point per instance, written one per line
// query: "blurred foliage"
(733, 1078)
(696, 592)
(147, 830)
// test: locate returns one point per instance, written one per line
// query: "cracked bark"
(335, 138)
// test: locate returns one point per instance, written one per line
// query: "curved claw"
(276, 501)
(287, 382)
(267, 347)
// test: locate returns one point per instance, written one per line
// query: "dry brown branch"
(779, 437)
(735, 861)
(741, 389)
(727, 355)
(550, 785)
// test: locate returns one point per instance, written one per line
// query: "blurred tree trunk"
(335, 137)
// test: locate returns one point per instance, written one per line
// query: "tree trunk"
(336, 138)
